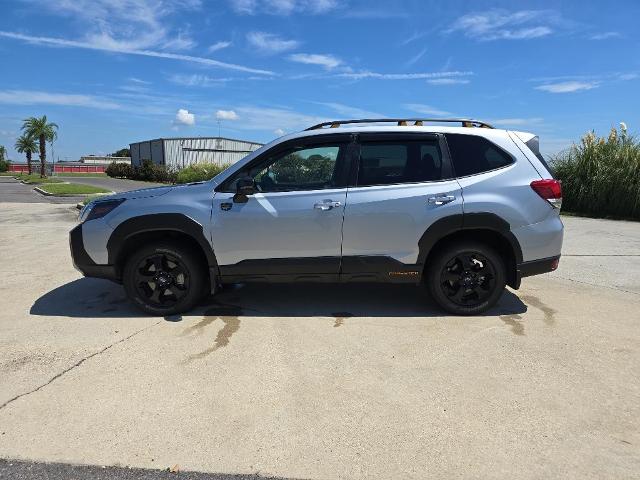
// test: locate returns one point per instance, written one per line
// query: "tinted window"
(471, 154)
(299, 169)
(389, 162)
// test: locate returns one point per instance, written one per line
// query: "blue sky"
(110, 72)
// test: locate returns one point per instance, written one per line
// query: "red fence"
(35, 168)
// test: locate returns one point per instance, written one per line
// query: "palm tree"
(45, 132)
(27, 145)
(3, 152)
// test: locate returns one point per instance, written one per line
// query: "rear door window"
(391, 162)
(472, 154)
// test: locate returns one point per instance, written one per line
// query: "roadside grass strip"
(35, 179)
(71, 189)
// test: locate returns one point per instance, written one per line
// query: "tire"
(466, 278)
(164, 279)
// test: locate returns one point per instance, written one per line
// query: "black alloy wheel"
(165, 279)
(468, 279)
(162, 280)
(465, 278)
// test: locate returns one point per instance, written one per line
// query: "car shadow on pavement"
(95, 298)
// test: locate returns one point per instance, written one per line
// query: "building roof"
(197, 138)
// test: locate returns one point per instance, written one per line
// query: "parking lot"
(323, 381)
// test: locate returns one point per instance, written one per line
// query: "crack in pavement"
(596, 285)
(75, 365)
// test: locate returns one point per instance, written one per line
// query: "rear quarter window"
(472, 154)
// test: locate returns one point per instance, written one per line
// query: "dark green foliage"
(4, 165)
(199, 172)
(123, 152)
(147, 172)
(119, 170)
(601, 176)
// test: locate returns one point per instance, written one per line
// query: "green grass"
(601, 176)
(72, 189)
(34, 178)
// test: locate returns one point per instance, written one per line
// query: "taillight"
(550, 190)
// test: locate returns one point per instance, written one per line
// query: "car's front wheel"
(164, 279)
(466, 278)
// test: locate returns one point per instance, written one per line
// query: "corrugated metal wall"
(180, 152)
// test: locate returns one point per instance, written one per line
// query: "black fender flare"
(173, 222)
(469, 221)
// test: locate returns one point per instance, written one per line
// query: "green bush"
(199, 172)
(119, 170)
(601, 176)
(4, 166)
(147, 172)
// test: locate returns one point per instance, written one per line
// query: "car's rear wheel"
(466, 278)
(164, 279)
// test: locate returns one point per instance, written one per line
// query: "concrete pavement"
(323, 381)
(13, 191)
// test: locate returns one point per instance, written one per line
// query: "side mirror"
(245, 186)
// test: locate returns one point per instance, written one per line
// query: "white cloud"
(504, 25)
(448, 81)
(183, 117)
(282, 7)
(126, 24)
(605, 35)
(416, 57)
(219, 46)
(198, 80)
(226, 115)
(270, 43)
(567, 87)
(425, 109)
(327, 61)
(34, 97)
(270, 119)
(402, 76)
(279, 132)
(59, 42)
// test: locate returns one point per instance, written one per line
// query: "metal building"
(177, 153)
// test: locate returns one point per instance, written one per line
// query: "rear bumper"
(537, 267)
(83, 262)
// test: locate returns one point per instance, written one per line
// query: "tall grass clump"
(601, 176)
(199, 172)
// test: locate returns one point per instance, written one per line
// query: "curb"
(36, 183)
(47, 194)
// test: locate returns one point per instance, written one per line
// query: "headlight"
(98, 209)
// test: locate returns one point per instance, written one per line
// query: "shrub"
(147, 172)
(601, 176)
(119, 170)
(199, 172)
(150, 172)
(4, 166)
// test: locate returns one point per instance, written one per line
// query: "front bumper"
(83, 262)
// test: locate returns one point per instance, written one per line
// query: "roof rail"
(402, 122)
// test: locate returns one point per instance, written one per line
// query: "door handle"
(440, 199)
(326, 205)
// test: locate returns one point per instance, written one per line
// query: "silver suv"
(463, 210)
